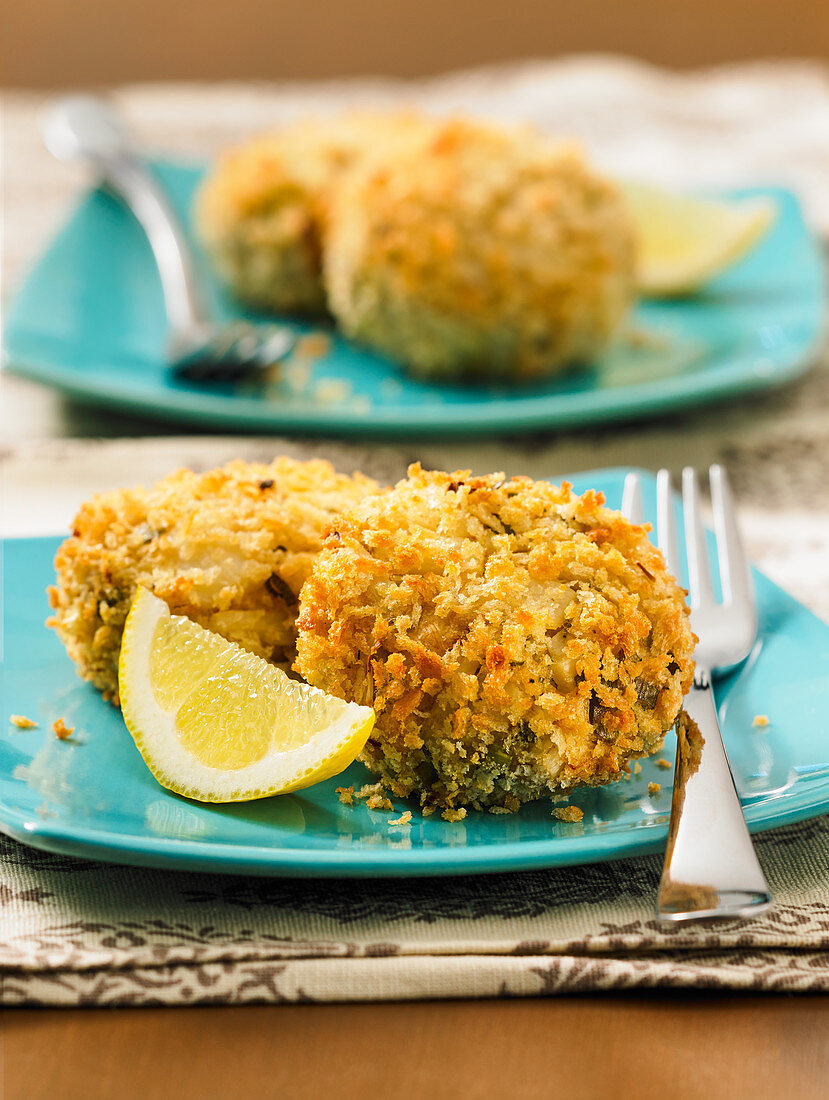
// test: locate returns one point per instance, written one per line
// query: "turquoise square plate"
(90, 321)
(92, 795)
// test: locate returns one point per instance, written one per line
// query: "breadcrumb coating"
(263, 209)
(61, 730)
(404, 819)
(230, 549)
(515, 640)
(569, 814)
(479, 251)
(22, 722)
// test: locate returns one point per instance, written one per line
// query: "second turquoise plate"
(90, 321)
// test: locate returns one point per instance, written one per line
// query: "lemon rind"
(742, 225)
(282, 770)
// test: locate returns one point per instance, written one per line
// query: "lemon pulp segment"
(683, 241)
(217, 723)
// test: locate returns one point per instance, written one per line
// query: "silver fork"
(711, 869)
(85, 129)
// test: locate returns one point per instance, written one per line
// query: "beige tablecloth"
(73, 932)
(77, 932)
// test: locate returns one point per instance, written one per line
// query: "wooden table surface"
(682, 1045)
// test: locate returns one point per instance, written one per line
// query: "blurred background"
(52, 43)
(684, 94)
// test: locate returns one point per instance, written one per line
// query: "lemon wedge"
(218, 724)
(683, 242)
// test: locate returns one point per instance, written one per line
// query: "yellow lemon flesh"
(218, 724)
(682, 242)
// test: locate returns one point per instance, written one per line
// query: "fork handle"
(86, 129)
(711, 869)
(140, 190)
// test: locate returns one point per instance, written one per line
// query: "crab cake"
(479, 252)
(515, 640)
(229, 548)
(262, 210)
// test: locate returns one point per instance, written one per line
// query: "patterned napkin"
(75, 932)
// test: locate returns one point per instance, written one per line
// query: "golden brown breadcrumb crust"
(515, 640)
(61, 730)
(22, 722)
(404, 819)
(229, 549)
(480, 250)
(262, 210)
(570, 814)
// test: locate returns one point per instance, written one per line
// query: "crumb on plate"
(378, 801)
(367, 790)
(637, 768)
(663, 763)
(568, 813)
(345, 795)
(636, 337)
(654, 788)
(454, 814)
(314, 345)
(404, 819)
(373, 796)
(61, 730)
(22, 722)
(760, 720)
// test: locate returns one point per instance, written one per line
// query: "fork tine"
(699, 572)
(735, 572)
(665, 523)
(632, 498)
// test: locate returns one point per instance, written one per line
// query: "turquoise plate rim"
(263, 861)
(735, 374)
(614, 841)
